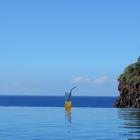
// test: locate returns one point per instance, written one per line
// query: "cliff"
(129, 87)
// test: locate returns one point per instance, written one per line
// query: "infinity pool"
(38, 123)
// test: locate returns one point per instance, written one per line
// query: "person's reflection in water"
(68, 130)
(131, 119)
(68, 117)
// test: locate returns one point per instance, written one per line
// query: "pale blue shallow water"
(40, 123)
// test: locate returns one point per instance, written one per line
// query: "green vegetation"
(131, 74)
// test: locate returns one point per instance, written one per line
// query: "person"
(68, 99)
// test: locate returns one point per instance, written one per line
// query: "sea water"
(54, 123)
(56, 101)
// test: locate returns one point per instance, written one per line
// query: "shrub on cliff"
(131, 74)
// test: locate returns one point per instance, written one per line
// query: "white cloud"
(81, 80)
(87, 80)
(102, 80)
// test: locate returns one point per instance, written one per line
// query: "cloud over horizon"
(81, 79)
(102, 80)
(87, 80)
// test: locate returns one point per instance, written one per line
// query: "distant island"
(129, 87)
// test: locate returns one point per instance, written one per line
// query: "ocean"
(56, 101)
(45, 118)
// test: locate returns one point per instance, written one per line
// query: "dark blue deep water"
(56, 101)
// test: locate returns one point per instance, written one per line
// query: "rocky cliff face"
(129, 87)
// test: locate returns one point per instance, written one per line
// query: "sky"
(49, 46)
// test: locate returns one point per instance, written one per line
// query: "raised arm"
(71, 93)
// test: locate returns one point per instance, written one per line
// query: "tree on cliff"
(129, 87)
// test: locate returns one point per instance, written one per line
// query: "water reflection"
(68, 116)
(131, 122)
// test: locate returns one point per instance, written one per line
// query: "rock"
(129, 87)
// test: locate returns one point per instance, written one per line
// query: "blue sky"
(48, 46)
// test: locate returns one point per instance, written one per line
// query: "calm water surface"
(40, 123)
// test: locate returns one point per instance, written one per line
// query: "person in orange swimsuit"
(68, 103)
